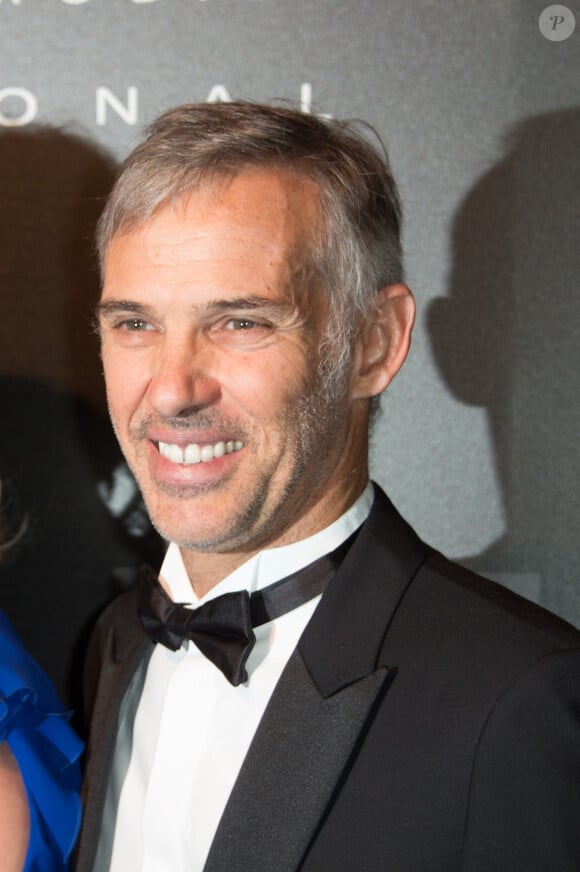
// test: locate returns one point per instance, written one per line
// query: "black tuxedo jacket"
(428, 721)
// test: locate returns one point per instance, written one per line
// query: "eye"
(133, 325)
(243, 324)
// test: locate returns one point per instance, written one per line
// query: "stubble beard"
(315, 420)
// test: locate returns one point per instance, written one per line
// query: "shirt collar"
(272, 564)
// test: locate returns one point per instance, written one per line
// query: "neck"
(206, 569)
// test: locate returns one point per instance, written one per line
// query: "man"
(386, 710)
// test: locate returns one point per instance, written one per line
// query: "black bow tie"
(222, 628)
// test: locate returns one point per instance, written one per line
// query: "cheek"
(268, 383)
(125, 386)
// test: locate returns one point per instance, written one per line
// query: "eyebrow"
(247, 303)
(112, 307)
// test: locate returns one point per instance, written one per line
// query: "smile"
(195, 453)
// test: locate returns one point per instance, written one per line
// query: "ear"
(384, 343)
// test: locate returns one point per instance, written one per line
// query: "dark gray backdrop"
(478, 445)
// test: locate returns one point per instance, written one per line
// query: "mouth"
(187, 455)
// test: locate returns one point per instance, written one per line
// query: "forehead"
(267, 216)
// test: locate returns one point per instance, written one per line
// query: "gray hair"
(357, 248)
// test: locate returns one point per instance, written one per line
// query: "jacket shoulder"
(480, 599)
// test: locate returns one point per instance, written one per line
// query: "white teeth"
(175, 453)
(192, 454)
(207, 453)
(195, 453)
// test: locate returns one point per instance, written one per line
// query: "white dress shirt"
(192, 728)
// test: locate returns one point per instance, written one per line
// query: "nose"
(183, 380)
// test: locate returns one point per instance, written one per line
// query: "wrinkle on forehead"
(257, 216)
(284, 204)
(271, 213)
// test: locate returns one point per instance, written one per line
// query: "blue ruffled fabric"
(35, 725)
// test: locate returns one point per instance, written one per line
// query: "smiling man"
(212, 320)
(306, 685)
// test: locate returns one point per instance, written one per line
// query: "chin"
(205, 536)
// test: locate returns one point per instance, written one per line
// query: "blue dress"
(35, 725)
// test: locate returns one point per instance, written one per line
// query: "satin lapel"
(302, 746)
(344, 639)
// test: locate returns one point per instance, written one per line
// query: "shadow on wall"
(57, 449)
(508, 339)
